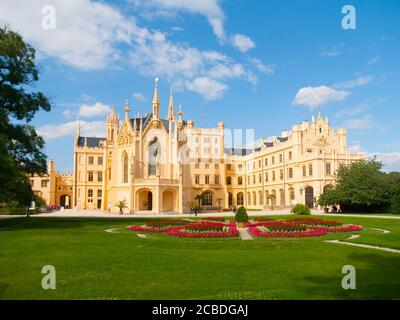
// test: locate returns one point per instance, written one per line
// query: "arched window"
(254, 198)
(154, 153)
(125, 166)
(207, 199)
(240, 200)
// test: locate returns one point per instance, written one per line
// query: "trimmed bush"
(301, 209)
(241, 215)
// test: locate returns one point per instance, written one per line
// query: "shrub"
(241, 215)
(395, 203)
(301, 209)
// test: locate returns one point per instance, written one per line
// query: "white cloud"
(267, 69)
(223, 71)
(140, 96)
(314, 97)
(360, 81)
(68, 113)
(333, 51)
(86, 36)
(365, 122)
(242, 42)
(351, 111)
(374, 60)
(88, 128)
(209, 88)
(211, 9)
(98, 109)
(390, 160)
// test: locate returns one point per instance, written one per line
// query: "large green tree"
(20, 146)
(360, 187)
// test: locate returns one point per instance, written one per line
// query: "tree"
(121, 205)
(360, 187)
(395, 203)
(20, 146)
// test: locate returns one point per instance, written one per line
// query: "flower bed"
(299, 227)
(202, 229)
(160, 225)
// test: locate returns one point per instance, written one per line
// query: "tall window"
(280, 158)
(266, 177)
(240, 200)
(281, 174)
(328, 168)
(216, 179)
(259, 178)
(197, 179)
(290, 155)
(207, 179)
(290, 173)
(90, 176)
(310, 169)
(154, 153)
(240, 180)
(99, 193)
(44, 183)
(100, 160)
(304, 171)
(207, 199)
(228, 180)
(99, 176)
(273, 175)
(90, 193)
(90, 160)
(125, 167)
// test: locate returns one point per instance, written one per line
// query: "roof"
(146, 120)
(92, 142)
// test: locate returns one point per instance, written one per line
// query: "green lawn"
(94, 264)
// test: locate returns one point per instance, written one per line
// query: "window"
(207, 179)
(266, 177)
(197, 165)
(328, 168)
(125, 168)
(254, 165)
(90, 193)
(197, 179)
(99, 193)
(266, 161)
(304, 171)
(290, 155)
(240, 180)
(320, 130)
(32, 182)
(44, 183)
(309, 150)
(197, 139)
(310, 169)
(259, 178)
(90, 176)
(240, 167)
(216, 166)
(259, 163)
(207, 199)
(281, 174)
(240, 200)
(229, 167)
(99, 176)
(100, 160)
(216, 179)
(216, 140)
(254, 179)
(90, 160)
(290, 172)
(280, 158)
(206, 140)
(273, 175)
(273, 160)
(206, 166)
(228, 180)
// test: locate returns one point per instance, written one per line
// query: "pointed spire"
(156, 101)
(126, 109)
(319, 115)
(171, 115)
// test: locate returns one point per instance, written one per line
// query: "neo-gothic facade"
(160, 165)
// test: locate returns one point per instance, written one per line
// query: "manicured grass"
(94, 264)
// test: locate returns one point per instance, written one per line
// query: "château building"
(161, 164)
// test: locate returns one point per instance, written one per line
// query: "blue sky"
(265, 65)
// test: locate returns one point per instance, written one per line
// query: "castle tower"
(112, 126)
